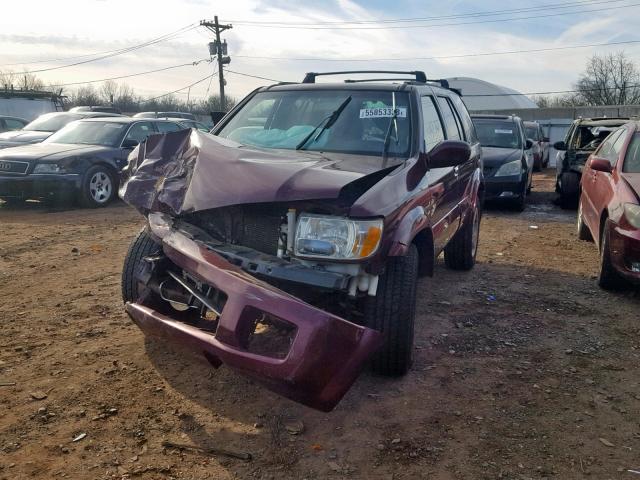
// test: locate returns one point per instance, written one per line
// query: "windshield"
(52, 122)
(108, 134)
(531, 132)
(632, 159)
(284, 119)
(497, 133)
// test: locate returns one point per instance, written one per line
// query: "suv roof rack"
(310, 77)
(420, 77)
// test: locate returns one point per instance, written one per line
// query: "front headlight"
(632, 214)
(509, 169)
(336, 238)
(48, 168)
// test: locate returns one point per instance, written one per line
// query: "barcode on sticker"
(382, 112)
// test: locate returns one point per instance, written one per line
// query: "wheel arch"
(603, 221)
(423, 240)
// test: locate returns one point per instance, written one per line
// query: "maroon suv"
(287, 244)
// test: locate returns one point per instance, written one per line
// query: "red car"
(609, 210)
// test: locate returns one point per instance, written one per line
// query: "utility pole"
(218, 49)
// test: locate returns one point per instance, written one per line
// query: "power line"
(551, 6)
(441, 57)
(254, 76)
(515, 94)
(50, 60)
(114, 53)
(180, 89)
(132, 74)
(392, 27)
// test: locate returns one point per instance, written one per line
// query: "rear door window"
(140, 131)
(465, 118)
(165, 127)
(632, 159)
(431, 124)
(13, 124)
(607, 149)
(451, 122)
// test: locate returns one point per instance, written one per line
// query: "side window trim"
(456, 116)
(467, 125)
(617, 147)
(431, 98)
(126, 134)
(443, 98)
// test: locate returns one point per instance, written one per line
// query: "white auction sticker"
(498, 130)
(382, 112)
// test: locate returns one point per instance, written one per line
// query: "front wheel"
(143, 246)
(98, 187)
(460, 252)
(521, 201)
(608, 278)
(392, 312)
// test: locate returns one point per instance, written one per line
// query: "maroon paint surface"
(603, 196)
(325, 357)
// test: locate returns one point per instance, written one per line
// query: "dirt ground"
(524, 370)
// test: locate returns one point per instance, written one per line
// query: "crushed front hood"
(189, 171)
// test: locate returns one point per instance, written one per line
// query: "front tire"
(460, 252)
(520, 202)
(98, 187)
(392, 312)
(143, 246)
(608, 278)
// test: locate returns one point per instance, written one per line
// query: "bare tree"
(109, 92)
(84, 95)
(557, 101)
(213, 104)
(7, 79)
(20, 81)
(29, 81)
(612, 79)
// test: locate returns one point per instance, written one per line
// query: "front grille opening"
(192, 301)
(271, 336)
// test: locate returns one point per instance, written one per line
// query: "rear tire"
(392, 312)
(608, 278)
(143, 246)
(569, 188)
(582, 229)
(98, 187)
(460, 252)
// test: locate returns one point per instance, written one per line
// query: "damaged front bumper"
(325, 355)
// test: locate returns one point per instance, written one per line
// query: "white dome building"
(489, 95)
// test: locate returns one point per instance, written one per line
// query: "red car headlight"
(632, 214)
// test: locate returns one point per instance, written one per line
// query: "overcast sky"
(45, 29)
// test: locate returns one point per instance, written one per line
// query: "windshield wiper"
(329, 119)
(392, 123)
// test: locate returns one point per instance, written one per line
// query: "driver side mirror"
(130, 143)
(528, 144)
(600, 165)
(560, 145)
(448, 153)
